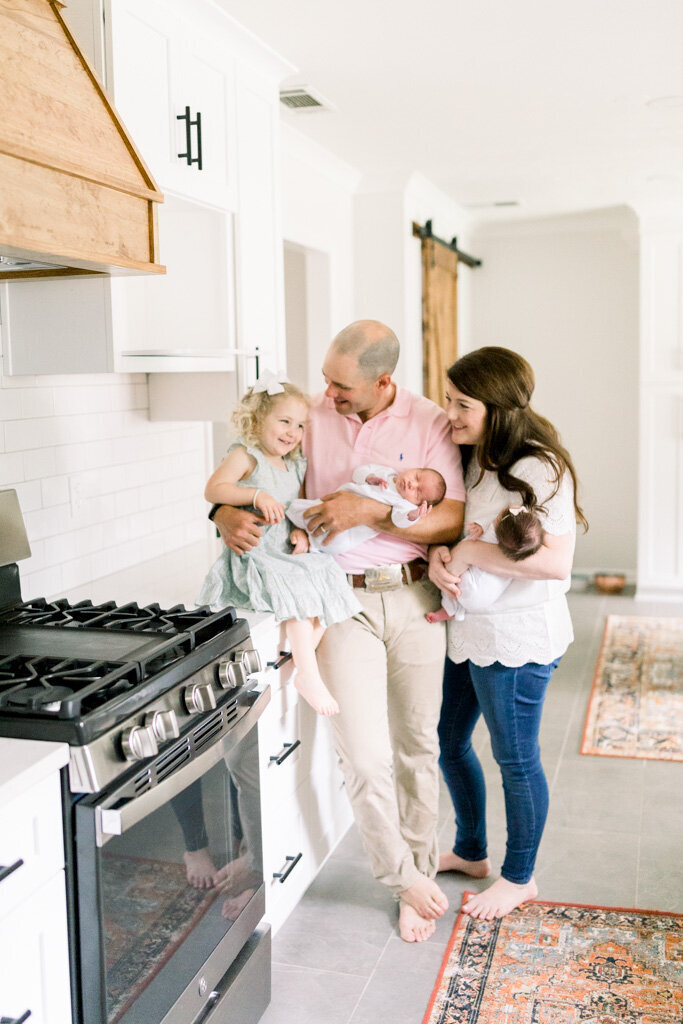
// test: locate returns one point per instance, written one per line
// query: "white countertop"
(23, 763)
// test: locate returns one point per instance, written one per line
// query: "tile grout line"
(365, 986)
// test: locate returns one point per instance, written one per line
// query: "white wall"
(564, 293)
(317, 227)
(388, 267)
(101, 488)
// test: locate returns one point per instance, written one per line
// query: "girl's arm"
(222, 487)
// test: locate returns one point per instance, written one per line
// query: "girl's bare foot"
(412, 927)
(475, 868)
(201, 870)
(425, 897)
(499, 899)
(313, 689)
(439, 616)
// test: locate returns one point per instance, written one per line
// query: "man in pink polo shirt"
(384, 666)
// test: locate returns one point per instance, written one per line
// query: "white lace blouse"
(530, 621)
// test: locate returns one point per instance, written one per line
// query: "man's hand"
(342, 510)
(299, 541)
(240, 530)
(444, 578)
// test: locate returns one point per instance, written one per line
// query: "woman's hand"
(299, 541)
(439, 559)
(272, 511)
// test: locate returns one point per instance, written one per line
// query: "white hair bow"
(270, 382)
(514, 510)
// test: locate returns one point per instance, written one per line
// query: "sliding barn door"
(439, 316)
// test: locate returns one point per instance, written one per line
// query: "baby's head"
(519, 533)
(273, 421)
(418, 485)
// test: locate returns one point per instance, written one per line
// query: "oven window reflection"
(174, 884)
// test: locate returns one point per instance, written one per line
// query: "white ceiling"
(493, 100)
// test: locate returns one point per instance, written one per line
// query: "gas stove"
(116, 681)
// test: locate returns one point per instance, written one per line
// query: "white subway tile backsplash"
(10, 404)
(30, 497)
(11, 469)
(37, 402)
(55, 490)
(40, 463)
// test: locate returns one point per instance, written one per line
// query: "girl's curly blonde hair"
(248, 416)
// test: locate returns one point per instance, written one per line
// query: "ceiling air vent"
(303, 99)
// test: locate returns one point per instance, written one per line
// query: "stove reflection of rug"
(149, 910)
(553, 963)
(636, 704)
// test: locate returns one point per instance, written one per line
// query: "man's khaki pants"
(385, 668)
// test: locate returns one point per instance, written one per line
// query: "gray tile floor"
(614, 837)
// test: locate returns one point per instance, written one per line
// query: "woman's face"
(467, 416)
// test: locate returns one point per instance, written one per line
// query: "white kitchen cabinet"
(34, 950)
(303, 803)
(220, 304)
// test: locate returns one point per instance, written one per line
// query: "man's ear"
(383, 382)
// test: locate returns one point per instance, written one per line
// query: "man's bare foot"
(201, 870)
(499, 899)
(439, 616)
(425, 897)
(313, 690)
(475, 868)
(412, 927)
(232, 908)
(231, 873)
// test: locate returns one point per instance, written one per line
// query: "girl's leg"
(303, 639)
(512, 702)
(463, 773)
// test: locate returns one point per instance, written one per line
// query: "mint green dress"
(271, 579)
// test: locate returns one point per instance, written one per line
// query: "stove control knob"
(230, 675)
(251, 661)
(163, 724)
(139, 742)
(199, 697)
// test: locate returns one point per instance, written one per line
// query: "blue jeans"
(511, 701)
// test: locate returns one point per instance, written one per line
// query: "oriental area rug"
(559, 963)
(149, 909)
(636, 704)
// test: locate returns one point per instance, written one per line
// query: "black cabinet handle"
(285, 656)
(189, 124)
(284, 875)
(6, 872)
(16, 1020)
(289, 748)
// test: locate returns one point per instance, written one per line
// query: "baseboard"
(657, 593)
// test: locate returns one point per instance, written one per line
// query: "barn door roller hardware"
(426, 232)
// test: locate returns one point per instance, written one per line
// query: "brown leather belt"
(371, 580)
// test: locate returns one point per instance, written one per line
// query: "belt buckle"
(383, 577)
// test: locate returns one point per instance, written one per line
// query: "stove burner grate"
(61, 687)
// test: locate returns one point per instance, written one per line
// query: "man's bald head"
(374, 346)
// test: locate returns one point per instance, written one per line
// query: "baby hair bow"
(514, 510)
(270, 382)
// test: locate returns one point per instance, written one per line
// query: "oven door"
(152, 946)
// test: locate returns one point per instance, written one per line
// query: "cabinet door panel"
(34, 954)
(31, 831)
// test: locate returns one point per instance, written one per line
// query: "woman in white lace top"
(500, 660)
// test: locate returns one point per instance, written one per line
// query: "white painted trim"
(656, 593)
(613, 218)
(300, 147)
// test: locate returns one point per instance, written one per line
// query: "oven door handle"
(114, 821)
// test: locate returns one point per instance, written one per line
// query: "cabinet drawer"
(287, 869)
(30, 831)
(35, 958)
(282, 758)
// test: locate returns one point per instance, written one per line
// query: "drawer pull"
(292, 863)
(289, 748)
(16, 1020)
(5, 873)
(285, 656)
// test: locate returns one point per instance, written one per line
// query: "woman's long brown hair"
(504, 382)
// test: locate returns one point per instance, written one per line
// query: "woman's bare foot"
(425, 897)
(412, 927)
(201, 870)
(439, 616)
(313, 689)
(499, 899)
(475, 868)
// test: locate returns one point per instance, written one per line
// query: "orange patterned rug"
(560, 963)
(636, 704)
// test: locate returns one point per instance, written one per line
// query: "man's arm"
(240, 530)
(342, 510)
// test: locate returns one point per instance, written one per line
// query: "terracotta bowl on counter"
(609, 582)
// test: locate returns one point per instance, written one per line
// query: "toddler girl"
(264, 468)
(519, 534)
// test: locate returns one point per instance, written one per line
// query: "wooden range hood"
(75, 194)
